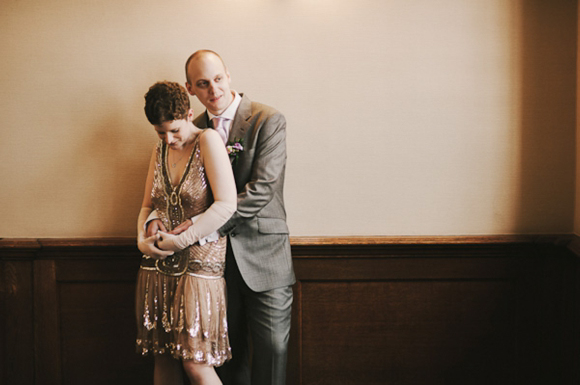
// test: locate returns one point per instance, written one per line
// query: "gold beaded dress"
(181, 300)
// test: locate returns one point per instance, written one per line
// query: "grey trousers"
(259, 329)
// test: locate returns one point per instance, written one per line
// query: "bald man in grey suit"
(259, 271)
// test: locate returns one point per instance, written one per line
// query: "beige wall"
(404, 117)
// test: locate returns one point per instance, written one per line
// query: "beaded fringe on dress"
(154, 309)
(201, 330)
(184, 316)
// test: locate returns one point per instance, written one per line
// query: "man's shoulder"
(201, 120)
(258, 108)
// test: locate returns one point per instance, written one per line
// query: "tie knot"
(219, 127)
(217, 122)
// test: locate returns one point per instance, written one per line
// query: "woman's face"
(175, 133)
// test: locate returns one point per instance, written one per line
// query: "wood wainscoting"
(367, 310)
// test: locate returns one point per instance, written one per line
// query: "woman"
(181, 304)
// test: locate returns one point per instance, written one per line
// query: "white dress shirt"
(229, 114)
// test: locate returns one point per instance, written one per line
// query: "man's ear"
(189, 88)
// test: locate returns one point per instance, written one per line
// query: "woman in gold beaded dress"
(180, 298)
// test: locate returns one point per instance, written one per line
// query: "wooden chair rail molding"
(31, 244)
(476, 310)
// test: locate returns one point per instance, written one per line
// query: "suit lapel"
(203, 121)
(239, 128)
(240, 124)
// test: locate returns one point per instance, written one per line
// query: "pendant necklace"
(174, 164)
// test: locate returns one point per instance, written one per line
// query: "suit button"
(233, 234)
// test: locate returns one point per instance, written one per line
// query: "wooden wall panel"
(17, 336)
(97, 321)
(450, 313)
(47, 338)
(389, 319)
(96, 294)
(499, 310)
(396, 332)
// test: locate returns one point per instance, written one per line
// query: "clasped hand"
(148, 246)
(167, 241)
(159, 243)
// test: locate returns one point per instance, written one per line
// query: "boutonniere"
(234, 148)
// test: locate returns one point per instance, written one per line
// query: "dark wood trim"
(300, 241)
(48, 284)
(431, 240)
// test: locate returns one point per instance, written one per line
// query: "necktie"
(218, 125)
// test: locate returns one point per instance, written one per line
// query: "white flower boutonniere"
(234, 148)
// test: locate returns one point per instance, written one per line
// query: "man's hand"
(181, 228)
(147, 246)
(153, 227)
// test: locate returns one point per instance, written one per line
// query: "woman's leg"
(200, 374)
(167, 371)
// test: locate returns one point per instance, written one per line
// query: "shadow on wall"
(547, 56)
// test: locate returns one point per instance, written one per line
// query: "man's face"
(209, 80)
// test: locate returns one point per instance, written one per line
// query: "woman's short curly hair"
(166, 101)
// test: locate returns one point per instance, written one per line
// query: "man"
(259, 271)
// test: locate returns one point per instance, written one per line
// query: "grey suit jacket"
(257, 231)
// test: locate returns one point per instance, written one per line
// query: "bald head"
(197, 55)
(209, 80)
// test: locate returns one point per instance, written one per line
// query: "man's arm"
(223, 187)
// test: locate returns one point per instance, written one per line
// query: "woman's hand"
(167, 242)
(148, 247)
(154, 226)
(181, 228)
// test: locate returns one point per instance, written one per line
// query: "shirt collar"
(230, 112)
